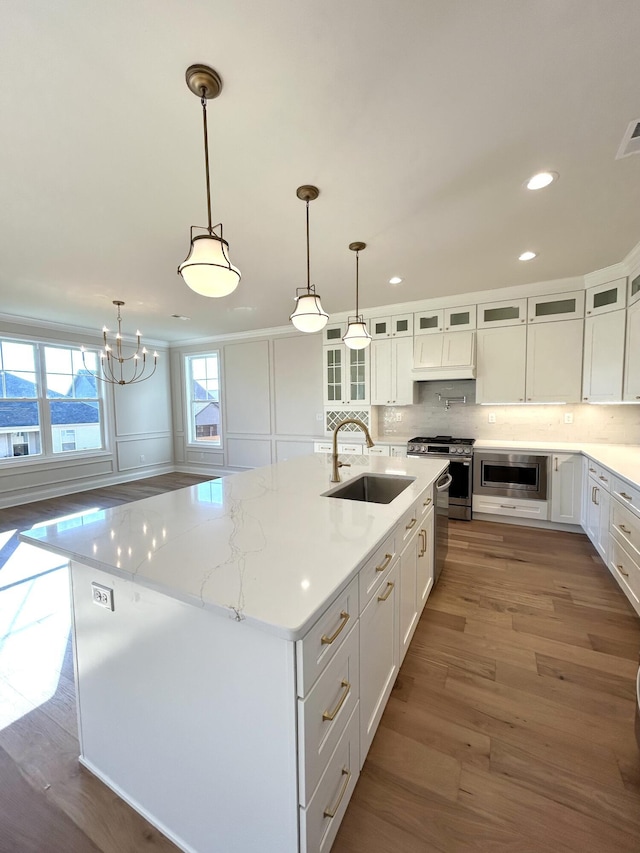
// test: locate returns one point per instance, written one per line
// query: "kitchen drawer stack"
(624, 550)
(347, 665)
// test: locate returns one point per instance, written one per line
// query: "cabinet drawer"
(409, 524)
(602, 475)
(425, 503)
(626, 527)
(511, 507)
(319, 645)
(378, 450)
(319, 822)
(376, 568)
(626, 571)
(628, 495)
(323, 715)
(322, 447)
(353, 449)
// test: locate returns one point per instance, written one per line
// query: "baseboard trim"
(528, 522)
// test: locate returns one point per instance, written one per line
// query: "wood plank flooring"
(510, 727)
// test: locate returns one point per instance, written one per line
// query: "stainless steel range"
(459, 452)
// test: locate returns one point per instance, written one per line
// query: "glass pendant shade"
(357, 335)
(309, 315)
(207, 270)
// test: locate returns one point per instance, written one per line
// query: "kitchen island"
(228, 645)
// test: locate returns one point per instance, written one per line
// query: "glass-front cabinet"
(346, 376)
(460, 319)
(492, 315)
(604, 298)
(559, 306)
(634, 290)
(398, 326)
(428, 322)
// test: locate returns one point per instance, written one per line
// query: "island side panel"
(189, 716)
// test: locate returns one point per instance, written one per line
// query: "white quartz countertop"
(620, 459)
(263, 546)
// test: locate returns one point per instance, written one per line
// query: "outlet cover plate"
(102, 595)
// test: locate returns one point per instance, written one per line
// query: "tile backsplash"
(429, 416)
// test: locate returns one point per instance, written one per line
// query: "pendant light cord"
(203, 101)
(308, 261)
(357, 279)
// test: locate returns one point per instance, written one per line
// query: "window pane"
(206, 419)
(19, 429)
(81, 419)
(18, 385)
(18, 357)
(67, 375)
(204, 399)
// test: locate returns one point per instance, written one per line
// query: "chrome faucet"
(335, 476)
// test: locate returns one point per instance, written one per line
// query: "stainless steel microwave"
(510, 475)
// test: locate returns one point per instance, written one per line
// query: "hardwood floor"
(510, 727)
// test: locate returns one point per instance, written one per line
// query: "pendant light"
(357, 335)
(308, 315)
(113, 360)
(207, 268)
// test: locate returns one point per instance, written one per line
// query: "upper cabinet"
(346, 376)
(634, 290)
(491, 315)
(428, 322)
(554, 362)
(333, 333)
(452, 350)
(460, 319)
(502, 361)
(604, 298)
(397, 326)
(603, 358)
(561, 306)
(631, 392)
(391, 381)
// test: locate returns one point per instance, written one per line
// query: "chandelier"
(116, 368)
(207, 269)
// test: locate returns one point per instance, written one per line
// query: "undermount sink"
(371, 488)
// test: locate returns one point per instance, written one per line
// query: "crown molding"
(227, 337)
(67, 329)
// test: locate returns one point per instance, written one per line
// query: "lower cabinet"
(416, 577)
(598, 502)
(566, 488)
(513, 507)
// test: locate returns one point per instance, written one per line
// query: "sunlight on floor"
(35, 623)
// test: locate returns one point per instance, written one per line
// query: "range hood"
(429, 374)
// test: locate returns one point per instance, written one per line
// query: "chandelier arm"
(203, 101)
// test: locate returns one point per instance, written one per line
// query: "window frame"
(190, 426)
(47, 454)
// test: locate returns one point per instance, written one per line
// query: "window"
(203, 391)
(49, 401)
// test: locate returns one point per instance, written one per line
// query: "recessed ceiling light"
(527, 256)
(541, 180)
(395, 280)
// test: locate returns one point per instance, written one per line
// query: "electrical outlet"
(492, 417)
(102, 595)
(142, 457)
(398, 417)
(568, 417)
(319, 416)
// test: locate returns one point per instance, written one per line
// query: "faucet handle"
(344, 464)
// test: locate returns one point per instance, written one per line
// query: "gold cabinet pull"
(624, 529)
(556, 463)
(508, 506)
(330, 715)
(593, 470)
(622, 571)
(604, 479)
(331, 812)
(390, 586)
(411, 524)
(626, 496)
(328, 640)
(596, 501)
(385, 563)
(427, 502)
(423, 536)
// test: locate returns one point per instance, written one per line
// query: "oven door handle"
(440, 487)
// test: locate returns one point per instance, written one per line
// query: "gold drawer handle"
(423, 536)
(604, 479)
(332, 812)
(427, 502)
(593, 470)
(390, 586)
(626, 496)
(624, 529)
(330, 715)
(387, 560)
(411, 524)
(622, 571)
(508, 506)
(328, 640)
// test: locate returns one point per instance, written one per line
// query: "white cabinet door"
(458, 349)
(379, 664)
(592, 527)
(606, 297)
(428, 322)
(425, 567)
(554, 362)
(502, 359)
(408, 582)
(402, 383)
(381, 380)
(494, 314)
(603, 536)
(603, 357)
(398, 326)
(460, 319)
(427, 351)
(560, 306)
(566, 488)
(631, 389)
(633, 294)
(346, 376)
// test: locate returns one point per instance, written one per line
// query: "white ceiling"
(419, 120)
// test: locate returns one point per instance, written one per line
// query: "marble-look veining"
(264, 546)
